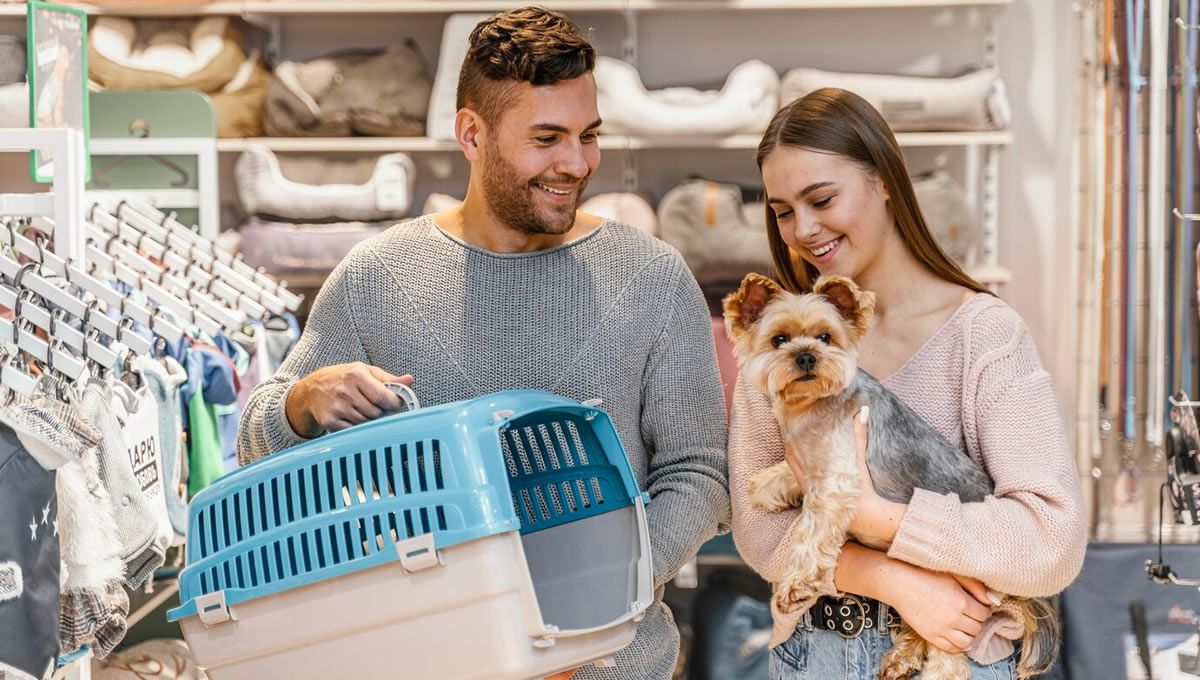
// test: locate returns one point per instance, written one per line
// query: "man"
(515, 289)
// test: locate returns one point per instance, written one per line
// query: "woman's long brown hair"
(837, 121)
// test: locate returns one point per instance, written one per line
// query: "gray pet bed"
(363, 92)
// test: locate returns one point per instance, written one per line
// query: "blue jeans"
(825, 655)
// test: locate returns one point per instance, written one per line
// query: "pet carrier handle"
(406, 395)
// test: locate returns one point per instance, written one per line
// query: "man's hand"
(336, 397)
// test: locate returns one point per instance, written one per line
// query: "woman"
(840, 202)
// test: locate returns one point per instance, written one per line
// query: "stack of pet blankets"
(205, 54)
(14, 92)
(306, 213)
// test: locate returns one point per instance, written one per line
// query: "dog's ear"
(855, 305)
(745, 308)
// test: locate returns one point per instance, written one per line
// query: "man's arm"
(330, 338)
(684, 430)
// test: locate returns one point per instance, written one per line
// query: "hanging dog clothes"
(29, 563)
(137, 413)
(135, 514)
(94, 605)
(164, 377)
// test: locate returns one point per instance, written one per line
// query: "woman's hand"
(946, 610)
(877, 519)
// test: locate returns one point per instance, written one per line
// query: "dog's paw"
(941, 665)
(775, 489)
(794, 596)
(898, 666)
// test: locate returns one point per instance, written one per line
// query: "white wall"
(1039, 60)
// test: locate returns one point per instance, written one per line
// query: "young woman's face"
(831, 212)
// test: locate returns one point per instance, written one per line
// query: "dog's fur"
(801, 351)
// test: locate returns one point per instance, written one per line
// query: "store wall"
(1037, 58)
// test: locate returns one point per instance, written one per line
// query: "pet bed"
(627, 208)
(745, 104)
(266, 190)
(143, 54)
(12, 59)
(974, 101)
(287, 249)
(383, 93)
(720, 237)
(239, 104)
(442, 108)
(14, 105)
(948, 215)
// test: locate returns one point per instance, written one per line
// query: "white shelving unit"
(609, 142)
(268, 7)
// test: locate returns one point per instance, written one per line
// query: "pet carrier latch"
(212, 609)
(417, 553)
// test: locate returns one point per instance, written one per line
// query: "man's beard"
(510, 198)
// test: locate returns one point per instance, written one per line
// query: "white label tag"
(11, 583)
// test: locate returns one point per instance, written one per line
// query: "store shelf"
(150, 8)
(610, 142)
(339, 144)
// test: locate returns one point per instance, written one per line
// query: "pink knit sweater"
(979, 382)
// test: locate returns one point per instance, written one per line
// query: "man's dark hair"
(527, 45)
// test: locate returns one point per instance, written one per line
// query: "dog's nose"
(806, 361)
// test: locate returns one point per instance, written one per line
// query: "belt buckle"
(844, 616)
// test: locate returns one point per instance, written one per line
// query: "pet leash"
(1128, 482)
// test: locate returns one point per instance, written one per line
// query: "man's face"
(538, 156)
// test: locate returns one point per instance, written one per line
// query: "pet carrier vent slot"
(558, 508)
(551, 452)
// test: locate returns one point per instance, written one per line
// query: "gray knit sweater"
(614, 315)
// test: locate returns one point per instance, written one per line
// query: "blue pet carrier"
(500, 537)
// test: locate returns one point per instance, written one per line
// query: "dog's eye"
(825, 338)
(778, 340)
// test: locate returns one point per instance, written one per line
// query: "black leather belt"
(849, 615)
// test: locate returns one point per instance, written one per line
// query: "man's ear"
(744, 308)
(469, 131)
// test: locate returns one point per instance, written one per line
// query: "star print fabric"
(29, 563)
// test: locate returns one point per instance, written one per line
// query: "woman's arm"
(762, 538)
(947, 610)
(1028, 537)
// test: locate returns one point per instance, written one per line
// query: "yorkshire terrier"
(801, 351)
